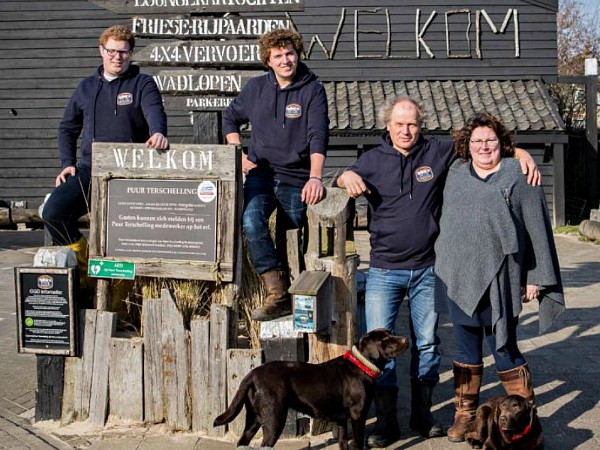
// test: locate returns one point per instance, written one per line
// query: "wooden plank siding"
(47, 47)
(537, 37)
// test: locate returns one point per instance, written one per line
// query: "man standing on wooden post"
(403, 180)
(287, 109)
(116, 104)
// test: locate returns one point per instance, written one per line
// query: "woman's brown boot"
(517, 381)
(467, 382)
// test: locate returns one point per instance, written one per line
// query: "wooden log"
(344, 327)
(200, 370)
(152, 332)
(333, 215)
(126, 391)
(239, 363)
(590, 229)
(10, 216)
(220, 317)
(106, 324)
(103, 298)
(72, 372)
(175, 368)
(295, 254)
(83, 384)
(49, 393)
(68, 400)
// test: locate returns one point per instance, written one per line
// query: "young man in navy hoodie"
(403, 181)
(287, 109)
(116, 104)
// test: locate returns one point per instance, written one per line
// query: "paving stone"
(565, 365)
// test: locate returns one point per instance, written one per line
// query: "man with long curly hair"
(287, 109)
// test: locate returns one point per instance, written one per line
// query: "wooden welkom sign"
(171, 213)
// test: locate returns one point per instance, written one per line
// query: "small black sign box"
(45, 310)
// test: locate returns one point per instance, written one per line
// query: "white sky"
(591, 7)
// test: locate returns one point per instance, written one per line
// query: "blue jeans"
(469, 346)
(385, 292)
(261, 197)
(67, 203)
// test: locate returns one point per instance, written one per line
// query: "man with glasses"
(403, 181)
(116, 104)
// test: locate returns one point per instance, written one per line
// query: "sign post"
(169, 214)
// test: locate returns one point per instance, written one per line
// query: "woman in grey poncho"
(495, 250)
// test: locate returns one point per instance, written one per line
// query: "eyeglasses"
(113, 52)
(480, 142)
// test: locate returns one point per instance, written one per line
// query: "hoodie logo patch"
(124, 98)
(423, 174)
(293, 111)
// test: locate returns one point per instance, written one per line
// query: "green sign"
(102, 268)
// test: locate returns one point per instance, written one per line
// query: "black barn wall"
(46, 47)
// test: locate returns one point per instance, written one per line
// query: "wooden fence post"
(175, 365)
(126, 390)
(331, 248)
(200, 374)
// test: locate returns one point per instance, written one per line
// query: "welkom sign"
(164, 213)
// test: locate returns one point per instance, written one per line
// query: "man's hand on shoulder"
(529, 167)
(64, 174)
(158, 141)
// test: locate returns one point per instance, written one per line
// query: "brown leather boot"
(278, 302)
(467, 382)
(517, 381)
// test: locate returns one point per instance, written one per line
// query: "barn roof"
(522, 105)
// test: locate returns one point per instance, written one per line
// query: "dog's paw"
(474, 440)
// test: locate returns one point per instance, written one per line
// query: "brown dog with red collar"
(336, 390)
(506, 422)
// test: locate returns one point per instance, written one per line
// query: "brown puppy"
(335, 390)
(506, 422)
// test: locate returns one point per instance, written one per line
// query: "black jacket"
(127, 109)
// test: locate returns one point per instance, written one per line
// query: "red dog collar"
(516, 437)
(348, 355)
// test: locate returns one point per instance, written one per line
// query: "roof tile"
(523, 105)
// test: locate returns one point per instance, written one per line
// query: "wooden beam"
(198, 6)
(200, 53)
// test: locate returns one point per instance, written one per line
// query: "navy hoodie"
(405, 200)
(288, 124)
(126, 109)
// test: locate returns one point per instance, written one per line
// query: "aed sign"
(106, 268)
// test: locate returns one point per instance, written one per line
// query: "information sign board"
(45, 310)
(167, 219)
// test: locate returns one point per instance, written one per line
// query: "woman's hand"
(530, 292)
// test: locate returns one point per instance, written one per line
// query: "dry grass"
(251, 295)
(193, 298)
